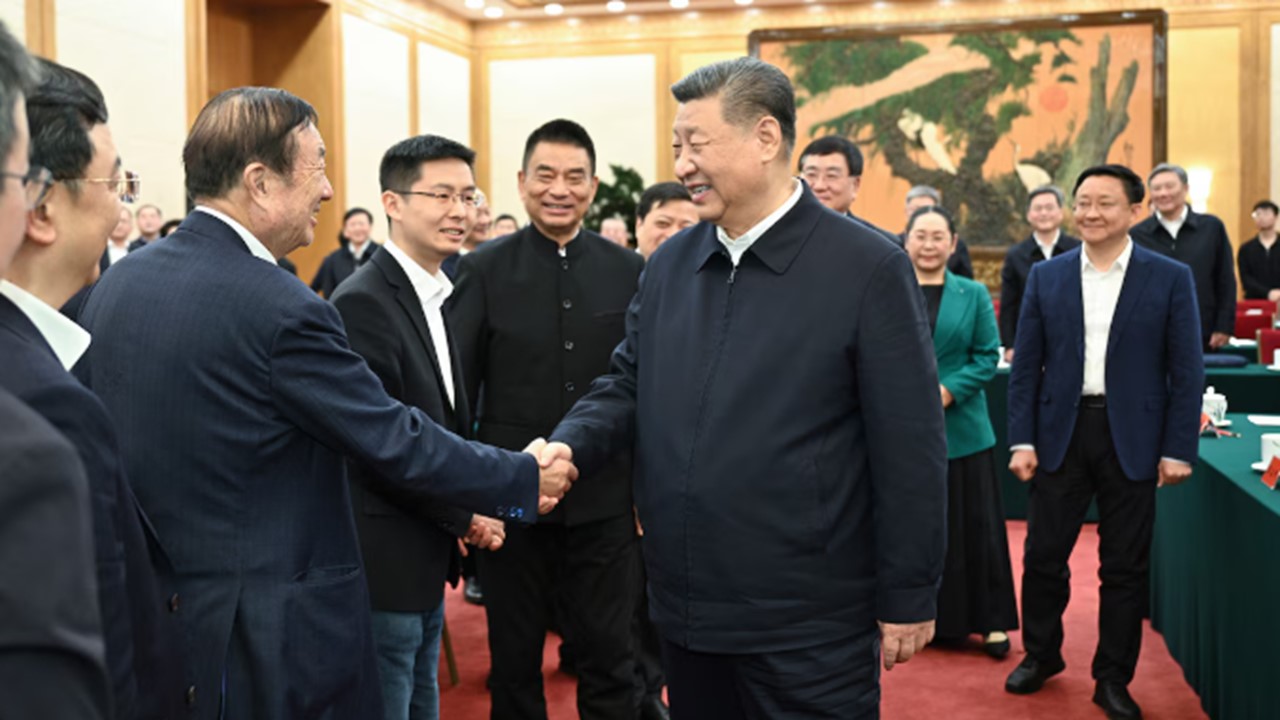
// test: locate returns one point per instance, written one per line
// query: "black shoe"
(998, 650)
(652, 708)
(1115, 701)
(471, 591)
(1030, 675)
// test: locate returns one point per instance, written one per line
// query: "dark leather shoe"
(471, 591)
(652, 708)
(1115, 701)
(1030, 675)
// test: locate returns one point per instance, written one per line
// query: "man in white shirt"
(1103, 401)
(391, 308)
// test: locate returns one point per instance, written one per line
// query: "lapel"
(408, 300)
(1074, 307)
(12, 317)
(951, 310)
(1135, 282)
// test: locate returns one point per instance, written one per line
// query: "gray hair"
(17, 76)
(749, 89)
(1169, 167)
(1053, 190)
(924, 191)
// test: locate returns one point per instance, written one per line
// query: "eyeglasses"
(128, 186)
(469, 198)
(35, 183)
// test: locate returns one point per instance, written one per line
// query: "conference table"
(1249, 389)
(1215, 577)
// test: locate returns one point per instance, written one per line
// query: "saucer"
(1260, 466)
(1223, 423)
(1272, 368)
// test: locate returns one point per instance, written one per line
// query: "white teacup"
(1270, 447)
(1215, 406)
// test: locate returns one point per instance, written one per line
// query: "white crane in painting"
(1032, 176)
(925, 134)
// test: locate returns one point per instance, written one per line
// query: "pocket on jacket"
(325, 636)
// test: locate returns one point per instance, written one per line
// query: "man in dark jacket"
(1199, 240)
(788, 431)
(1258, 259)
(1044, 214)
(537, 314)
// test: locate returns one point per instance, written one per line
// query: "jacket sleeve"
(983, 352)
(329, 392)
(897, 381)
(1028, 360)
(1010, 300)
(1226, 285)
(1255, 285)
(602, 422)
(1181, 438)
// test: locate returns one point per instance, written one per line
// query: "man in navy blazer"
(236, 397)
(65, 235)
(1104, 400)
(790, 456)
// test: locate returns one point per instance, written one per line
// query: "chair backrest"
(1268, 343)
(1266, 306)
(1247, 326)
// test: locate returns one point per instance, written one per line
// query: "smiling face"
(929, 243)
(1168, 194)
(1044, 213)
(828, 176)
(1102, 211)
(293, 203)
(723, 166)
(427, 228)
(356, 229)
(662, 222)
(557, 188)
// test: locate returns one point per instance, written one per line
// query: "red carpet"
(939, 683)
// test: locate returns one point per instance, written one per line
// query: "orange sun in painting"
(1054, 98)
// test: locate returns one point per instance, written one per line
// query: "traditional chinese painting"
(982, 112)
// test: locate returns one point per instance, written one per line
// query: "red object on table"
(1268, 343)
(1248, 325)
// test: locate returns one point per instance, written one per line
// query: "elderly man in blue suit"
(237, 396)
(790, 456)
(1104, 400)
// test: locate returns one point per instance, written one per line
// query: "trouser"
(408, 646)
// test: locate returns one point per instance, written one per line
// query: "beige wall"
(444, 93)
(375, 70)
(14, 15)
(612, 96)
(1275, 111)
(136, 52)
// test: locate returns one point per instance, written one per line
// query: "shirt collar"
(1121, 263)
(737, 247)
(351, 248)
(68, 340)
(431, 289)
(254, 244)
(1057, 235)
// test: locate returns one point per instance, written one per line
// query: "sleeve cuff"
(1176, 460)
(908, 605)
(1022, 446)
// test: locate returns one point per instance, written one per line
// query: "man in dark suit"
(1258, 259)
(392, 309)
(51, 645)
(236, 397)
(832, 166)
(537, 314)
(356, 247)
(664, 209)
(1104, 401)
(1200, 241)
(149, 219)
(118, 244)
(65, 236)
(1044, 214)
(921, 196)
(789, 439)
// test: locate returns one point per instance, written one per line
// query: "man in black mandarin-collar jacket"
(1013, 280)
(536, 319)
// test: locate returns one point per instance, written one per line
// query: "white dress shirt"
(1099, 292)
(739, 246)
(1047, 250)
(432, 291)
(1174, 225)
(254, 244)
(116, 253)
(68, 340)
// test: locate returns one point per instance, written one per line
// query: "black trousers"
(1056, 509)
(839, 680)
(592, 568)
(648, 646)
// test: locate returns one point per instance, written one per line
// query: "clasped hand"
(899, 642)
(556, 472)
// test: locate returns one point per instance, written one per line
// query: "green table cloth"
(1215, 577)
(1250, 389)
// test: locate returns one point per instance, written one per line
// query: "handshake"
(555, 470)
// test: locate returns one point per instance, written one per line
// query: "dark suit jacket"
(338, 266)
(874, 228)
(287, 265)
(139, 243)
(1259, 269)
(1013, 279)
(1155, 370)
(450, 266)
(790, 449)
(51, 635)
(1203, 245)
(409, 546)
(143, 646)
(534, 329)
(236, 398)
